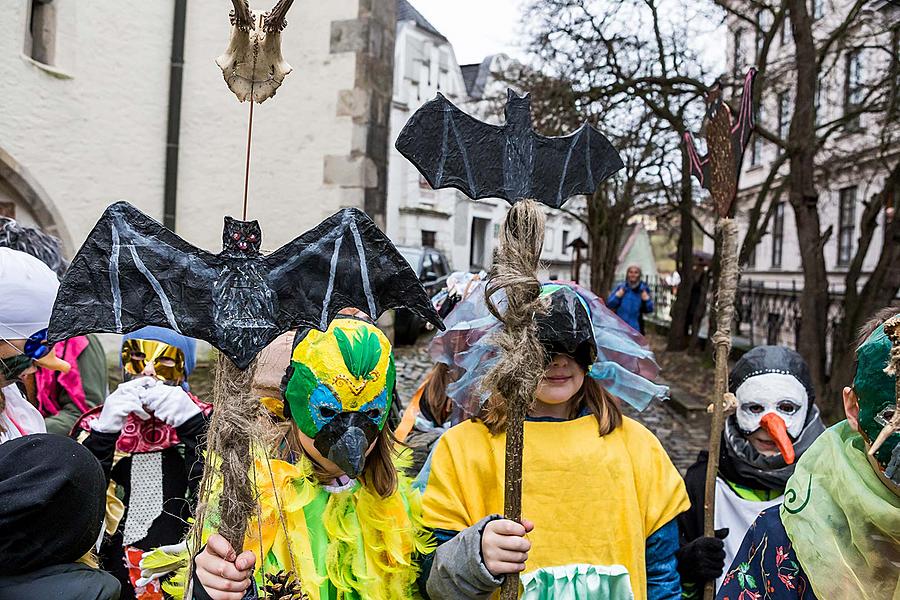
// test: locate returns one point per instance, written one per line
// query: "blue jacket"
(630, 307)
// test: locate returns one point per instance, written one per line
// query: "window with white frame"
(853, 86)
(817, 9)
(818, 101)
(565, 241)
(737, 58)
(784, 114)
(846, 225)
(756, 145)
(777, 235)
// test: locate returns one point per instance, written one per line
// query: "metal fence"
(764, 314)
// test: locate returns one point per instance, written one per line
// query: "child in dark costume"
(775, 422)
(51, 512)
(146, 437)
(837, 534)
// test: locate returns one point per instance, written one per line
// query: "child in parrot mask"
(337, 519)
(775, 422)
(600, 495)
(837, 533)
(146, 436)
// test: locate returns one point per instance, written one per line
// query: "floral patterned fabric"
(766, 567)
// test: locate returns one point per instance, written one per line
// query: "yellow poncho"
(594, 500)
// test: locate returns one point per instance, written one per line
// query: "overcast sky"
(476, 28)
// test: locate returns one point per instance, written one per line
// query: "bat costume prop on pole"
(718, 172)
(510, 161)
(132, 272)
(453, 149)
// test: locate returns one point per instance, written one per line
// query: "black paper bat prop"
(511, 161)
(726, 139)
(132, 271)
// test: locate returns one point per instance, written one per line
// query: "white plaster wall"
(292, 131)
(92, 130)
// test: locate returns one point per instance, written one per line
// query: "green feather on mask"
(361, 354)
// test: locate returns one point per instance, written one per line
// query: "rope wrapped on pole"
(516, 375)
(726, 230)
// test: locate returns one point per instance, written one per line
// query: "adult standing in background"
(631, 299)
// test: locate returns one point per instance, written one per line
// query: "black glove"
(702, 559)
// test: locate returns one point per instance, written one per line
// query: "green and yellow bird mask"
(339, 389)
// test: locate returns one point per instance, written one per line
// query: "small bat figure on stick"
(132, 271)
(726, 139)
(511, 161)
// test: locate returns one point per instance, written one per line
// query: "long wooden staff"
(517, 373)
(719, 172)
(726, 230)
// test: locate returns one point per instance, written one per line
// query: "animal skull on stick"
(252, 64)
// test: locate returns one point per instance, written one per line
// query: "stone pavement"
(682, 435)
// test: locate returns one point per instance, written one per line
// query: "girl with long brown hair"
(600, 495)
(335, 513)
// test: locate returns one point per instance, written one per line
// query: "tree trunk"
(878, 291)
(678, 331)
(804, 199)
(606, 222)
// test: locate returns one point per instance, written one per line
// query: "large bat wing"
(570, 165)
(743, 126)
(346, 261)
(453, 149)
(131, 272)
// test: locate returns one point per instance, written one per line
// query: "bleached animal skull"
(252, 64)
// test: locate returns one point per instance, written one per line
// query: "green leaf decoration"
(346, 348)
(751, 581)
(361, 354)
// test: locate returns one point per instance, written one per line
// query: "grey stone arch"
(36, 199)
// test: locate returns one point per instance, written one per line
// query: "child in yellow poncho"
(599, 492)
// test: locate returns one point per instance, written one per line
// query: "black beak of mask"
(345, 440)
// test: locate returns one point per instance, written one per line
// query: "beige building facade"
(86, 117)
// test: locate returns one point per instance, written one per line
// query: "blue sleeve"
(663, 581)
(647, 305)
(614, 301)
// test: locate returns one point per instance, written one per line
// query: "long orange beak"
(774, 426)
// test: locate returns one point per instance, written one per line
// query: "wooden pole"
(229, 453)
(519, 369)
(728, 277)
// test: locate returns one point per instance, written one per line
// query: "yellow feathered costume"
(345, 545)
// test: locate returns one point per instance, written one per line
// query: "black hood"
(566, 328)
(52, 502)
(771, 359)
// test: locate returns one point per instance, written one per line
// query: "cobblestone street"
(681, 435)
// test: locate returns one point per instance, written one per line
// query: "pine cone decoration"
(283, 586)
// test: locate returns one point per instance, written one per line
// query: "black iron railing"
(765, 312)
